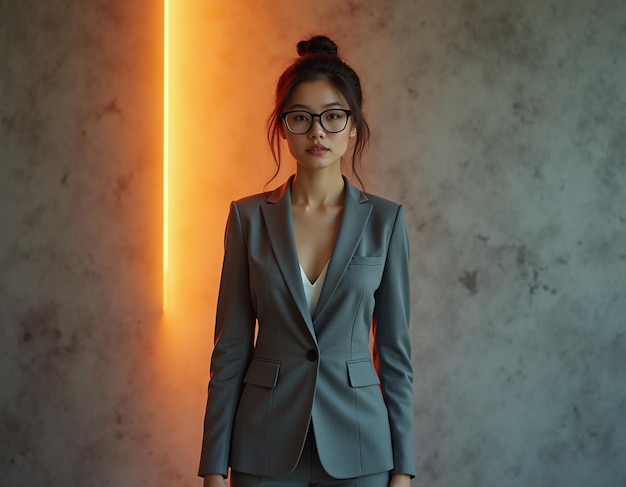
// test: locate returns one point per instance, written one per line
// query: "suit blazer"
(275, 369)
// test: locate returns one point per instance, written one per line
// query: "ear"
(352, 131)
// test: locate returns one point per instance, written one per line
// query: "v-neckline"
(321, 275)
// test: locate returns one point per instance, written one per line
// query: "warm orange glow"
(212, 84)
(166, 149)
(187, 238)
(194, 202)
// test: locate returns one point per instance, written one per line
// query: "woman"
(320, 266)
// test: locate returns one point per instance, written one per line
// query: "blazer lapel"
(356, 212)
(279, 224)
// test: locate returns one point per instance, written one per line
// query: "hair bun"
(318, 45)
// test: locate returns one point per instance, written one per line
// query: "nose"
(316, 129)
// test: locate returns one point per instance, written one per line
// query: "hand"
(214, 480)
(400, 480)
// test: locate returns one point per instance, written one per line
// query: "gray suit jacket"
(264, 391)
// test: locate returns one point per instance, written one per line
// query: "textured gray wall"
(500, 124)
(80, 242)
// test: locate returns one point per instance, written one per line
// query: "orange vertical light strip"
(166, 151)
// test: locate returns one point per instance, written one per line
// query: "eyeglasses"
(300, 122)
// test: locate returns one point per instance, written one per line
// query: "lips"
(317, 150)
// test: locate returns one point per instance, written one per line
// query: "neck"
(317, 188)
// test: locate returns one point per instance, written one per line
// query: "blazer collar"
(285, 190)
(279, 222)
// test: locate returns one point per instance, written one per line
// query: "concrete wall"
(500, 125)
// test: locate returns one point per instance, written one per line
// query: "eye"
(300, 117)
(335, 115)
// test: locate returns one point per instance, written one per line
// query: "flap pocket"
(366, 260)
(262, 373)
(362, 373)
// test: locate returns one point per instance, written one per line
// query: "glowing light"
(203, 155)
(166, 149)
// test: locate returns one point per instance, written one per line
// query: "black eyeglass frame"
(318, 115)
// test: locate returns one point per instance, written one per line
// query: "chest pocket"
(366, 260)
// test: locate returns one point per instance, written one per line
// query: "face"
(317, 148)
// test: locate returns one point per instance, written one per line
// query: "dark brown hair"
(319, 59)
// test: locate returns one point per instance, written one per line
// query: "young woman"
(318, 267)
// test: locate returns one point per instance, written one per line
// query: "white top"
(312, 291)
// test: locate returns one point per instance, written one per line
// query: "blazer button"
(312, 355)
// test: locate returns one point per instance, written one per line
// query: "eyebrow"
(306, 107)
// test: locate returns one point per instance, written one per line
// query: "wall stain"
(122, 184)
(26, 130)
(19, 436)
(469, 280)
(111, 108)
(41, 322)
(46, 345)
(112, 13)
(496, 35)
(33, 217)
(482, 238)
(529, 270)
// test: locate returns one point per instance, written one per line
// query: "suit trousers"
(309, 472)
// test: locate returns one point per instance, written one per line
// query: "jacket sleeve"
(234, 338)
(392, 347)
